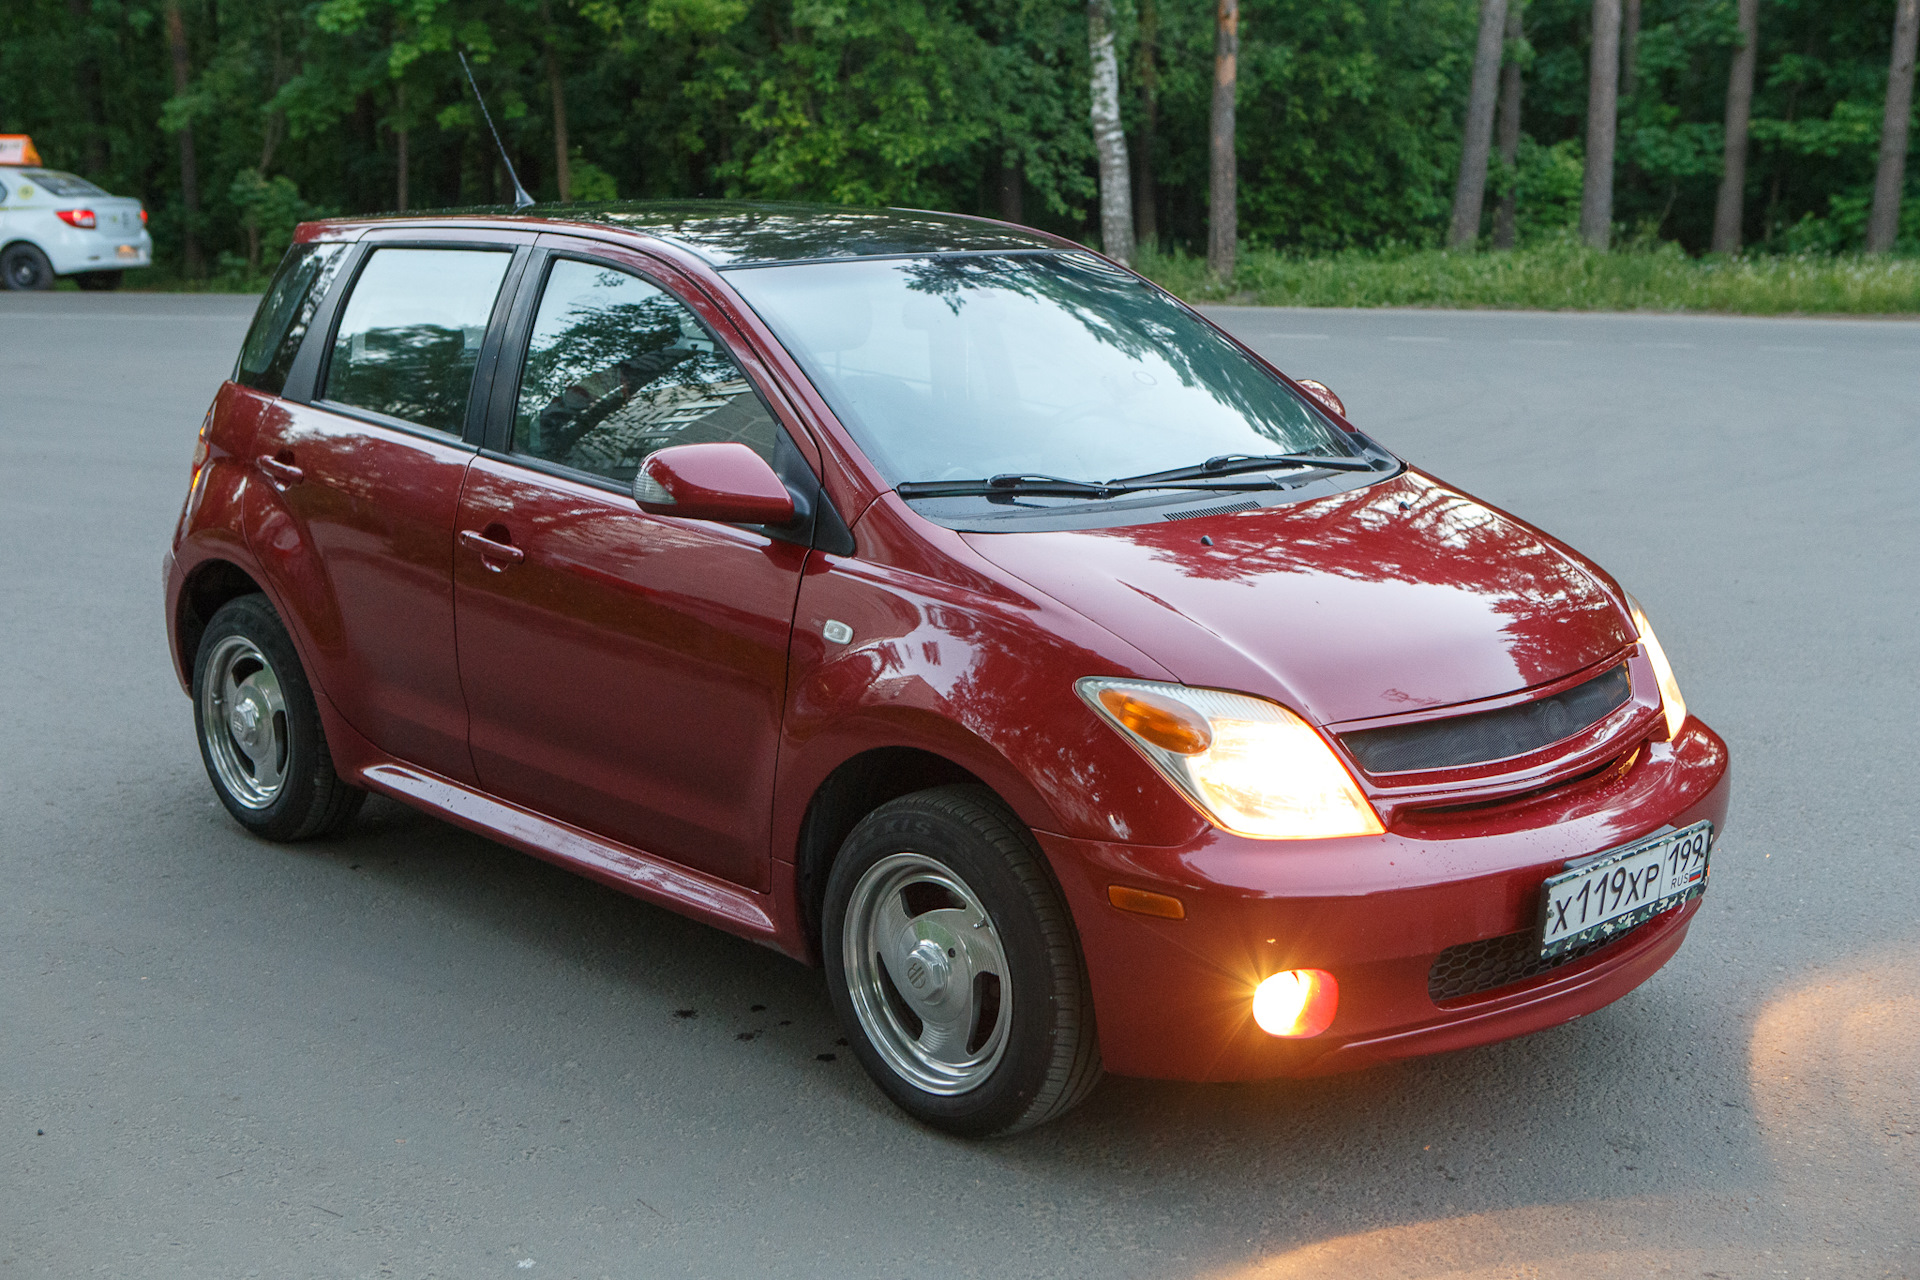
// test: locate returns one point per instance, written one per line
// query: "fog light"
(1296, 1004)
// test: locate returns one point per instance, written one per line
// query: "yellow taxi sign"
(17, 148)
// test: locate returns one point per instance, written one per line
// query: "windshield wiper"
(1228, 464)
(1057, 487)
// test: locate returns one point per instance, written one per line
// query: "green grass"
(1560, 275)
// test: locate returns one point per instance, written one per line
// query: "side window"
(411, 333)
(617, 368)
(297, 290)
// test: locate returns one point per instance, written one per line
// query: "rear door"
(626, 673)
(368, 472)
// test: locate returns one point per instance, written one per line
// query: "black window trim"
(816, 522)
(309, 372)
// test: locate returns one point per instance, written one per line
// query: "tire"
(260, 734)
(998, 1034)
(23, 266)
(99, 281)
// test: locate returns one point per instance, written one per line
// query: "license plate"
(1623, 888)
(129, 250)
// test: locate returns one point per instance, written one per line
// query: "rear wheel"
(99, 281)
(954, 967)
(259, 730)
(22, 266)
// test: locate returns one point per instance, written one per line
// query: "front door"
(369, 477)
(624, 672)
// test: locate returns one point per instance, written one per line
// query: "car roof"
(735, 233)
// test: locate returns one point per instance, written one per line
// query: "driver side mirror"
(1323, 393)
(725, 482)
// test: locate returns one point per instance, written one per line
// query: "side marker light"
(1296, 1004)
(1142, 902)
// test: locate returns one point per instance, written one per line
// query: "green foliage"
(1349, 113)
(1558, 273)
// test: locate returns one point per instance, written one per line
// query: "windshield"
(969, 366)
(62, 184)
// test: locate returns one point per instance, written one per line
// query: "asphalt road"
(410, 1052)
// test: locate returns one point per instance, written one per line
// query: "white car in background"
(55, 224)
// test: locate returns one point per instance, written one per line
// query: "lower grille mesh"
(1492, 963)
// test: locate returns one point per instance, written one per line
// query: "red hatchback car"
(937, 601)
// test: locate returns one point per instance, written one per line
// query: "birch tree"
(1470, 191)
(1731, 205)
(1603, 113)
(1109, 140)
(1223, 194)
(1883, 225)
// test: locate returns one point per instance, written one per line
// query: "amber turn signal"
(1167, 724)
(1141, 902)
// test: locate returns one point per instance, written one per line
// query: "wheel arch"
(209, 585)
(855, 788)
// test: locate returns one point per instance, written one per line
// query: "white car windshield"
(977, 365)
(55, 183)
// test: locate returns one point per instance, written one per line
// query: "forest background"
(233, 119)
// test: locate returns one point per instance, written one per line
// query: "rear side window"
(411, 334)
(617, 368)
(281, 322)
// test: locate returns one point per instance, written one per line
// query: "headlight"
(1671, 702)
(1252, 766)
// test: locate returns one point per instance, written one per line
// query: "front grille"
(1490, 735)
(1491, 963)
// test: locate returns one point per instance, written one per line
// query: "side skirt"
(616, 865)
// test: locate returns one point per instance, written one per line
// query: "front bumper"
(1173, 998)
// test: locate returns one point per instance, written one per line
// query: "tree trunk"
(86, 77)
(189, 174)
(1603, 107)
(1010, 190)
(1223, 211)
(1109, 140)
(1471, 190)
(1630, 48)
(563, 177)
(1728, 212)
(1506, 219)
(400, 129)
(1883, 227)
(1146, 194)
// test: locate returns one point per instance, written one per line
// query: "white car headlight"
(1251, 766)
(1671, 702)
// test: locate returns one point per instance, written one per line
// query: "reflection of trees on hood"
(1437, 538)
(1118, 311)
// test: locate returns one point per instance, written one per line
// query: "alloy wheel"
(927, 974)
(244, 714)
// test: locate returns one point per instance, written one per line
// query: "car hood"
(1399, 597)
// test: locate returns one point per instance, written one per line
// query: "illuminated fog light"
(1296, 1004)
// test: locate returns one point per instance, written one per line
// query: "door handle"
(491, 550)
(281, 473)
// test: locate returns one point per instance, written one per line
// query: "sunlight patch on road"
(1834, 1075)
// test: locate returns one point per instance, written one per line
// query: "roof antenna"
(521, 200)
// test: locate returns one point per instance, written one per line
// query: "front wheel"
(954, 967)
(259, 730)
(23, 266)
